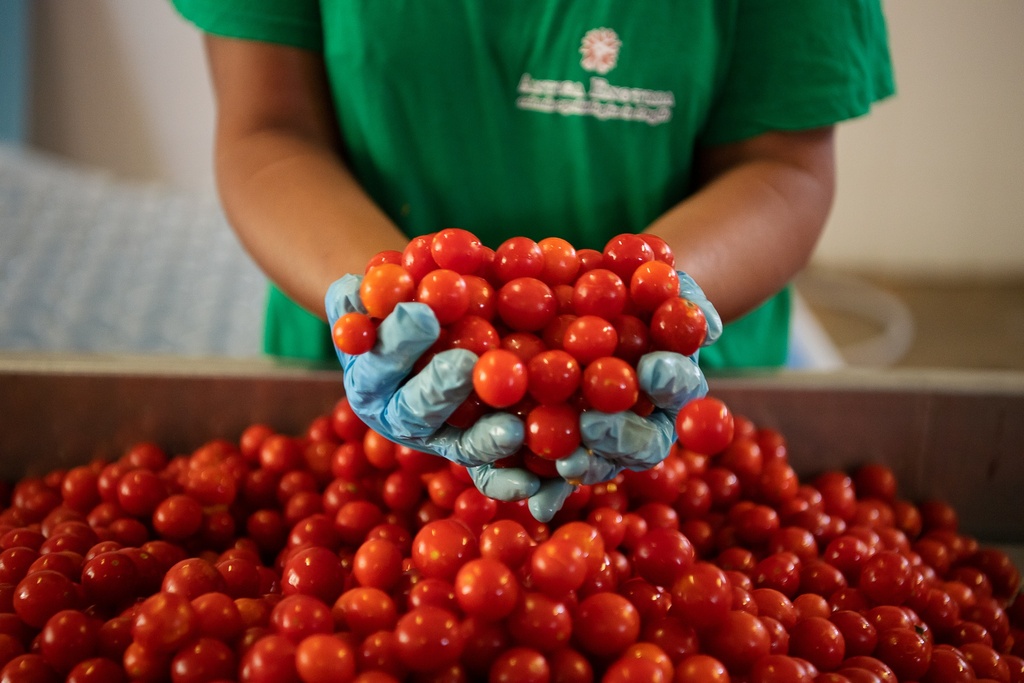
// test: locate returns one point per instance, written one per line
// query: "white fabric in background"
(92, 264)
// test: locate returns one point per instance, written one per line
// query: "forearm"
(293, 203)
(299, 212)
(755, 224)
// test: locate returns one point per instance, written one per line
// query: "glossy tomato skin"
(553, 432)
(500, 378)
(385, 286)
(678, 325)
(705, 425)
(428, 638)
(458, 250)
(610, 385)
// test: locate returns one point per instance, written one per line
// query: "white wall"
(931, 182)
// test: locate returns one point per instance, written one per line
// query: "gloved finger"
(402, 337)
(343, 297)
(420, 406)
(585, 468)
(505, 483)
(549, 499)
(491, 438)
(670, 380)
(626, 438)
(689, 289)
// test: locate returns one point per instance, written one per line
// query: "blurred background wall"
(931, 183)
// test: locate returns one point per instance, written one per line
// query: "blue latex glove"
(412, 410)
(625, 440)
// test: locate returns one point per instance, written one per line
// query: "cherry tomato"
(486, 588)
(540, 622)
(589, 337)
(610, 385)
(678, 325)
(702, 595)
(205, 659)
(474, 333)
(701, 668)
(365, 610)
(354, 333)
(605, 624)
(560, 261)
(427, 638)
(520, 665)
(599, 292)
(42, 594)
(325, 657)
(518, 257)
(526, 304)
(458, 250)
(663, 556)
(553, 376)
(500, 378)
(441, 547)
(705, 425)
(418, 258)
(624, 253)
(384, 287)
(653, 283)
(445, 292)
(553, 432)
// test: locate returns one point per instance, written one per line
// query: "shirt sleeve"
(295, 23)
(800, 64)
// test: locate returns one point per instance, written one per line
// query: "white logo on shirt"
(600, 50)
(602, 100)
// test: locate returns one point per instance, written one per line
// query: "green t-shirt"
(571, 118)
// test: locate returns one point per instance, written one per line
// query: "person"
(345, 128)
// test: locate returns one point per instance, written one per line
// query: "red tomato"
(518, 257)
(599, 292)
(458, 250)
(526, 304)
(553, 432)
(500, 378)
(441, 547)
(520, 665)
(662, 251)
(428, 638)
(610, 385)
(445, 292)
(605, 624)
(624, 253)
(325, 657)
(474, 333)
(653, 283)
(560, 261)
(354, 333)
(738, 641)
(486, 588)
(705, 425)
(702, 596)
(678, 325)
(384, 287)
(663, 556)
(553, 376)
(700, 668)
(589, 337)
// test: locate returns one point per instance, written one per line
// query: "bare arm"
(756, 220)
(294, 205)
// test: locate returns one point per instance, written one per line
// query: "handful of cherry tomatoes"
(557, 330)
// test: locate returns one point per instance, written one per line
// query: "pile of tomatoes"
(557, 330)
(335, 555)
